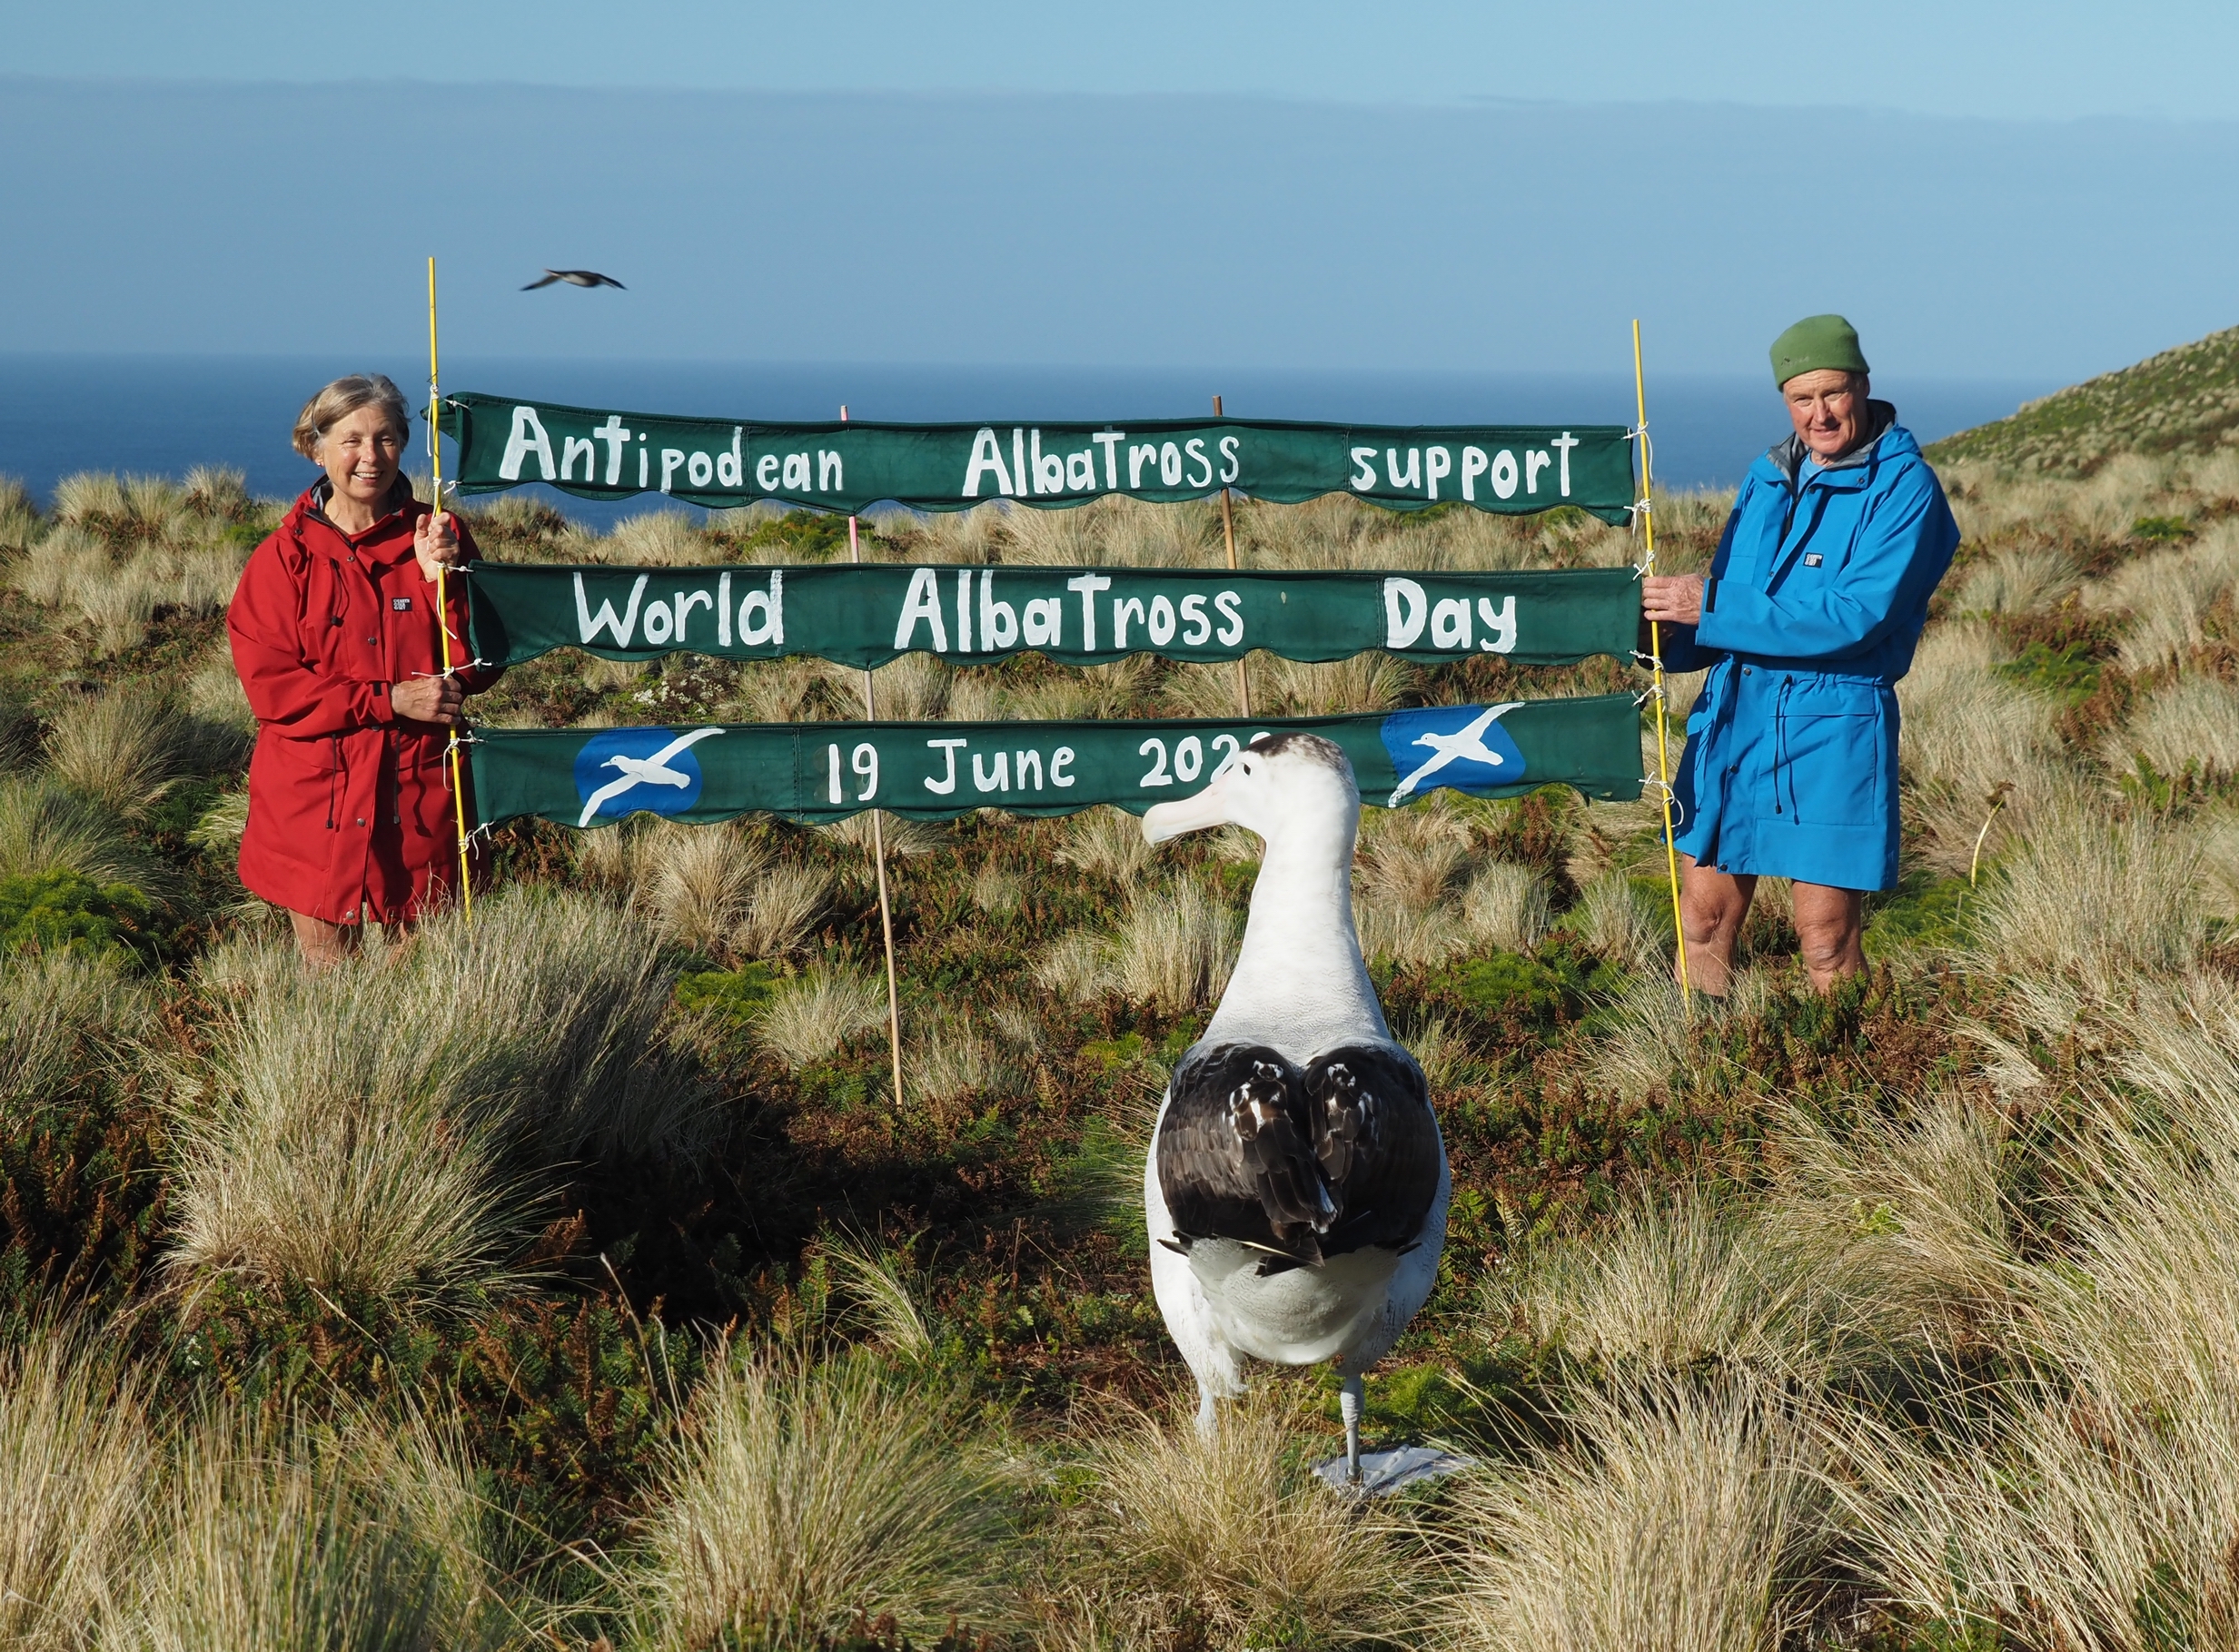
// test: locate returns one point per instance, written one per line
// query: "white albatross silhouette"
(643, 771)
(1468, 742)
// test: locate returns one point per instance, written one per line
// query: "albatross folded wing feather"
(1235, 1155)
(1377, 1143)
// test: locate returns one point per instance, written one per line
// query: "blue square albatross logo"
(1463, 747)
(618, 771)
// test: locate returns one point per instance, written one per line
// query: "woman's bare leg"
(1831, 930)
(323, 945)
(1712, 904)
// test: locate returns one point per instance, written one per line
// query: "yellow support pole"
(442, 588)
(878, 853)
(1228, 533)
(1656, 655)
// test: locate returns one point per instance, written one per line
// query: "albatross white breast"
(1297, 1183)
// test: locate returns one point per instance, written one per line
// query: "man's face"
(1829, 407)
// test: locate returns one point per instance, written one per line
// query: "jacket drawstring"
(1781, 744)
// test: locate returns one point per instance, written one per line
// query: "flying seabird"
(1296, 1186)
(574, 278)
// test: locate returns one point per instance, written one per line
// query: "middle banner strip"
(866, 614)
(824, 772)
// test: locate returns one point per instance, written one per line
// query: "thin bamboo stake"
(1228, 532)
(1656, 656)
(443, 587)
(878, 853)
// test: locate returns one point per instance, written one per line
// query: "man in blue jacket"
(1810, 612)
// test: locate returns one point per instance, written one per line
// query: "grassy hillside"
(572, 1279)
(2183, 401)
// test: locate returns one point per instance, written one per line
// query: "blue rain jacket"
(1813, 607)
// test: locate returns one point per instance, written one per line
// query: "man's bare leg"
(323, 945)
(1830, 929)
(1712, 904)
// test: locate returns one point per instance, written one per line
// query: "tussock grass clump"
(278, 1532)
(45, 827)
(378, 1128)
(1222, 1542)
(2092, 894)
(62, 1015)
(1172, 945)
(2169, 596)
(78, 1469)
(1972, 736)
(124, 750)
(1106, 842)
(1683, 1516)
(809, 1017)
(714, 890)
(2190, 725)
(804, 1494)
(2019, 579)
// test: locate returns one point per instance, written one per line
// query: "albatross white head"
(1299, 973)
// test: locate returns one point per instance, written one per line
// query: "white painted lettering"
(986, 460)
(1535, 462)
(672, 461)
(660, 625)
(1058, 762)
(1160, 623)
(1232, 610)
(865, 762)
(1018, 463)
(1232, 466)
(1138, 455)
(1473, 462)
(588, 625)
(528, 438)
(1042, 625)
(699, 469)
(1109, 441)
(1562, 445)
(1123, 610)
(1026, 759)
(831, 474)
(963, 610)
(1189, 758)
(1049, 469)
(1450, 623)
(1365, 478)
(921, 601)
(581, 447)
(723, 609)
(1413, 477)
(768, 631)
(1406, 610)
(730, 468)
(834, 792)
(947, 785)
(1195, 449)
(1436, 462)
(1169, 465)
(1088, 585)
(615, 436)
(1500, 621)
(1199, 628)
(797, 473)
(1504, 474)
(998, 621)
(997, 779)
(1081, 471)
(766, 472)
(686, 601)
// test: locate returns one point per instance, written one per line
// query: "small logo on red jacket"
(402, 604)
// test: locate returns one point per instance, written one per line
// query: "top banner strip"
(594, 453)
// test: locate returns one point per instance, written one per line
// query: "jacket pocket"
(1826, 752)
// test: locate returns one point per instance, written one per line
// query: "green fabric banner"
(827, 771)
(597, 454)
(866, 614)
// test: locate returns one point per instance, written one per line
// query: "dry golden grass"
(2190, 725)
(1220, 1543)
(2091, 895)
(45, 827)
(65, 1015)
(1172, 946)
(79, 1468)
(1684, 1519)
(800, 1495)
(809, 1017)
(1972, 736)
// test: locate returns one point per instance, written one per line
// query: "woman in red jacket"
(333, 630)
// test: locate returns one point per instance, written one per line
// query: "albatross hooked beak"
(1209, 807)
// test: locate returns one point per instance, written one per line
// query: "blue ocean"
(160, 415)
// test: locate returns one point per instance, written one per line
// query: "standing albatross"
(1297, 1183)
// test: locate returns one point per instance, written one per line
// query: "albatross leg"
(1204, 1411)
(1349, 1407)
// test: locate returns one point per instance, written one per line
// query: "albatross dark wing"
(1235, 1154)
(1376, 1141)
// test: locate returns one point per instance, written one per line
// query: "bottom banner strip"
(824, 772)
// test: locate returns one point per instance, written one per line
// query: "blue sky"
(1998, 59)
(1991, 191)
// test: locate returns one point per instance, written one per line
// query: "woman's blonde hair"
(344, 397)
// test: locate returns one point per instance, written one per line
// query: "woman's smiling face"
(360, 452)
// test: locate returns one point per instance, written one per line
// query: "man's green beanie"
(1816, 342)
